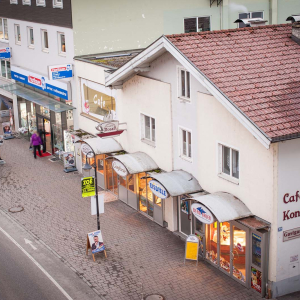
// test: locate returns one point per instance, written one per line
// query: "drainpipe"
(273, 11)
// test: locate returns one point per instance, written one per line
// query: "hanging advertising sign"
(202, 213)
(40, 82)
(5, 53)
(105, 127)
(191, 248)
(119, 168)
(60, 71)
(88, 187)
(158, 189)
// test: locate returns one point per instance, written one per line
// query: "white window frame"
(57, 4)
(184, 131)
(41, 3)
(4, 40)
(13, 1)
(16, 34)
(59, 34)
(250, 14)
(150, 141)
(220, 163)
(6, 76)
(197, 21)
(26, 2)
(183, 97)
(31, 46)
(44, 49)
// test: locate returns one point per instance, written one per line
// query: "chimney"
(296, 32)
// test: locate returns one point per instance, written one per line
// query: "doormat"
(54, 159)
(43, 154)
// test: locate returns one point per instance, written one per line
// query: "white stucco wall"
(288, 183)
(152, 98)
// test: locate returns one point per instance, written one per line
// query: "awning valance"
(36, 98)
(224, 206)
(137, 162)
(177, 182)
(103, 146)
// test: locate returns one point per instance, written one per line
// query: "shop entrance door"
(185, 217)
(44, 129)
(111, 177)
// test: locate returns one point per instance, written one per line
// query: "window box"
(148, 130)
(229, 163)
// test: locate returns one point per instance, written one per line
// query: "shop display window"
(212, 242)
(146, 196)
(57, 137)
(100, 163)
(157, 200)
(45, 111)
(199, 226)
(225, 246)
(131, 180)
(122, 181)
(239, 254)
(69, 141)
(23, 115)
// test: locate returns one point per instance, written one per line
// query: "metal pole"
(98, 217)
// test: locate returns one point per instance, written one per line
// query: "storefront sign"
(86, 149)
(5, 53)
(60, 71)
(202, 213)
(88, 187)
(119, 168)
(98, 100)
(56, 88)
(158, 189)
(291, 234)
(105, 127)
(191, 247)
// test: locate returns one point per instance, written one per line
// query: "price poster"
(191, 248)
(88, 187)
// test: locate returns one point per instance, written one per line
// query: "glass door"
(185, 216)
(145, 196)
(111, 177)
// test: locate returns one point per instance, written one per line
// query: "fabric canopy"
(103, 146)
(224, 206)
(177, 182)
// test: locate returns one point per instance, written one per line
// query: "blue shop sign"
(158, 189)
(60, 72)
(5, 53)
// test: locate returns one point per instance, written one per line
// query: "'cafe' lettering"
(287, 214)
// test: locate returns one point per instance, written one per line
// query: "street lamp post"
(88, 167)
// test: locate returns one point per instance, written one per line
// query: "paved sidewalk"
(139, 251)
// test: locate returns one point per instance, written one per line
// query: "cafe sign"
(202, 213)
(158, 189)
(105, 127)
(86, 149)
(119, 168)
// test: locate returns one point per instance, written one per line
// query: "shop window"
(40, 2)
(61, 44)
(26, 2)
(148, 129)
(250, 15)
(100, 163)
(3, 29)
(58, 3)
(45, 111)
(5, 69)
(199, 226)
(30, 37)
(23, 115)
(122, 181)
(225, 246)
(229, 162)
(239, 253)
(157, 200)
(131, 183)
(212, 242)
(145, 196)
(196, 24)
(184, 84)
(186, 144)
(45, 44)
(17, 34)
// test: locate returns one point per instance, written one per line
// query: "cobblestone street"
(139, 251)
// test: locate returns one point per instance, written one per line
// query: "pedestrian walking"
(36, 142)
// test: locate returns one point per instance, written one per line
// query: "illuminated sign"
(202, 213)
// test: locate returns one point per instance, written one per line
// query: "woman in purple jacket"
(36, 142)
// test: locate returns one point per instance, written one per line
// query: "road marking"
(37, 264)
(30, 243)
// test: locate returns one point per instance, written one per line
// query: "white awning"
(103, 146)
(137, 162)
(224, 206)
(177, 182)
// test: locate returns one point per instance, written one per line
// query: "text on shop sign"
(287, 214)
(158, 190)
(202, 213)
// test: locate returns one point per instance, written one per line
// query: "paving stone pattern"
(139, 251)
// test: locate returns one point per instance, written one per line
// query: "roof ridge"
(227, 30)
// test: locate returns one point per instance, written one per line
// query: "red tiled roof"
(257, 68)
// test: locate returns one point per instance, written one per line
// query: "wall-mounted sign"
(291, 234)
(88, 187)
(40, 82)
(158, 189)
(119, 168)
(191, 247)
(202, 213)
(60, 71)
(98, 100)
(5, 53)
(105, 127)
(86, 149)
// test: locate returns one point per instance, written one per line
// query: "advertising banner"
(60, 71)
(5, 53)
(191, 247)
(40, 82)
(88, 187)
(69, 159)
(96, 241)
